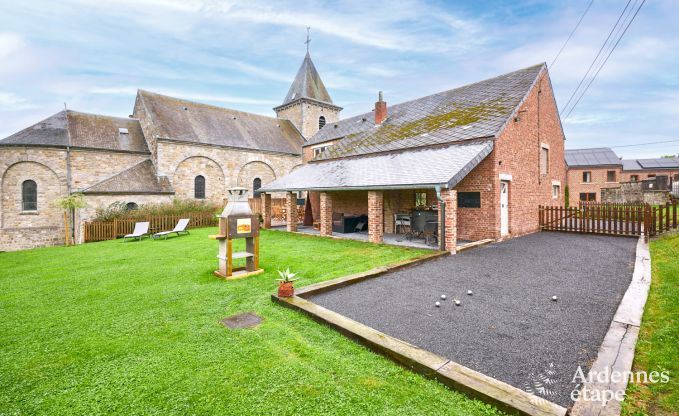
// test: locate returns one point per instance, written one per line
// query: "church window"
(321, 122)
(199, 187)
(29, 196)
(256, 184)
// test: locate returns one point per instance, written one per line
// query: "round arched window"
(199, 187)
(29, 196)
(256, 184)
(321, 122)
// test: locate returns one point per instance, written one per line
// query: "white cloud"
(12, 102)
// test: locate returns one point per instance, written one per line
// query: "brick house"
(590, 170)
(484, 156)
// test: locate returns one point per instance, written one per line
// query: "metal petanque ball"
(457, 302)
(469, 292)
(443, 297)
(437, 304)
(554, 298)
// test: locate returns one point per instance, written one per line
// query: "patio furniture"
(401, 221)
(419, 220)
(179, 229)
(431, 229)
(348, 223)
(140, 230)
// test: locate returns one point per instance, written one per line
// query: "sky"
(94, 55)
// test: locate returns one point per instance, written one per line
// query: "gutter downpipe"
(442, 214)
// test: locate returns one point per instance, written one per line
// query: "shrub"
(119, 209)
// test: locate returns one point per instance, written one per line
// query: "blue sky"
(93, 55)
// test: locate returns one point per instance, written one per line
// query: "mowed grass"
(658, 345)
(134, 328)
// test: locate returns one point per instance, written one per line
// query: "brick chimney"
(380, 110)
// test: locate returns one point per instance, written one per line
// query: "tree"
(69, 204)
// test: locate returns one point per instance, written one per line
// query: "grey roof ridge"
(502, 128)
(84, 190)
(100, 115)
(141, 91)
(467, 142)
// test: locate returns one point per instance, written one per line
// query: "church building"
(168, 148)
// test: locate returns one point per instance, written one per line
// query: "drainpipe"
(69, 189)
(442, 204)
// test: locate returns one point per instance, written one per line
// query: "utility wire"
(644, 144)
(571, 35)
(597, 55)
(605, 60)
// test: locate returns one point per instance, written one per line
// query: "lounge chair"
(179, 229)
(140, 230)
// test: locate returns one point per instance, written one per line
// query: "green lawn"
(658, 345)
(133, 328)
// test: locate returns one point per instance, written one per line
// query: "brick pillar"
(375, 216)
(266, 209)
(291, 211)
(450, 199)
(326, 214)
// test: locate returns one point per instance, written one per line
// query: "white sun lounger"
(140, 230)
(179, 229)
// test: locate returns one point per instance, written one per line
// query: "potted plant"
(285, 284)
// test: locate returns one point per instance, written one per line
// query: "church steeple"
(308, 105)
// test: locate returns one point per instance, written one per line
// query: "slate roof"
(307, 84)
(631, 164)
(660, 163)
(445, 166)
(193, 122)
(473, 111)
(139, 179)
(600, 156)
(82, 130)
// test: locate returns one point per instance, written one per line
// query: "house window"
(588, 196)
(131, 206)
(634, 178)
(556, 190)
(256, 184)
(544, 160)
(199, 187)
(469, 199)
(652, 175)
(420, 199)
(610, 176)
(321, 122)
(319, 150)
(29, 196)
(586, 177)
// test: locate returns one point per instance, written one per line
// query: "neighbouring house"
(482, 157)
(591, 170)
(169, 147)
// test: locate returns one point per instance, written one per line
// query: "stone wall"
(12, 239)
(237, 166)
(305, 115)
(89, 167)
(633, 193)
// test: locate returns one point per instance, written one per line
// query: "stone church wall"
(90, 167)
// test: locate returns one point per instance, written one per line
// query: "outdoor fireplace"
(237, 221)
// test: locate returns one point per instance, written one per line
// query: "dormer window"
(122, 131)
(319, 150)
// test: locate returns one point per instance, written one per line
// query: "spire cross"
(308, 40)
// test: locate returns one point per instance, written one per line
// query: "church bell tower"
(308, 105)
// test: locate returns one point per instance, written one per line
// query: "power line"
(571, 35)
(644, 144)
(606, 60)
(597, 56)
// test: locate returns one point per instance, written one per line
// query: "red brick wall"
(450, 199)
(517, 153)
(576, 186)
(325, 214)
(626, 176)
(350, 202)
(480, 223)
(375, 216)
(291, 211)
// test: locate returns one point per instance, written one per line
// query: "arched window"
(29, 196)
(256, 184)
(131, 206)
(321, 122)
(199, 187)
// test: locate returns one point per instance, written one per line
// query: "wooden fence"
(110, 230)
(610, 219)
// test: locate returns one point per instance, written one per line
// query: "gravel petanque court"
(509, 328)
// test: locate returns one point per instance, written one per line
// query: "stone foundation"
(13, 239)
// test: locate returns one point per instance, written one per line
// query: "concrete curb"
(616, 353)
(457, 377)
